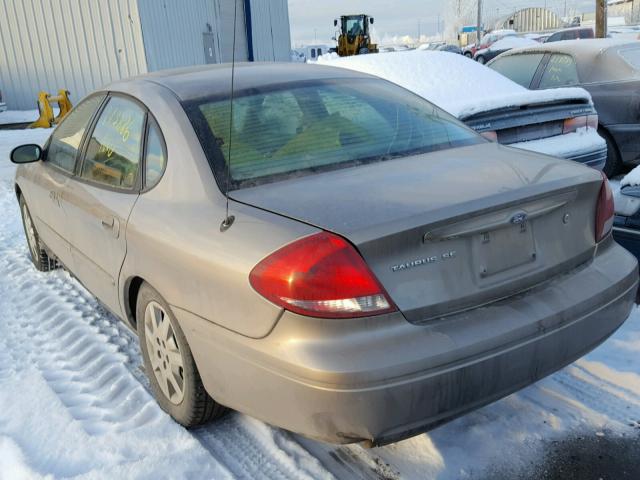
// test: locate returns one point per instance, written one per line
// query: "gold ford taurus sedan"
(381, 269)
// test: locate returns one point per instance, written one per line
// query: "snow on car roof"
(507, 43)
(455, 83)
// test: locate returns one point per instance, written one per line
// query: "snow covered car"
(504, 45)
(486, 41)
(626, 225)
(608, 69)
(560, 122)
(338, 257)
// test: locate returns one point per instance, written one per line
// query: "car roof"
(597, 59)
(215, 80)
(569, 29)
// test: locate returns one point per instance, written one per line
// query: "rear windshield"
(319, 126)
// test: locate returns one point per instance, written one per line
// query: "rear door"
(559, 70)
(103, 194)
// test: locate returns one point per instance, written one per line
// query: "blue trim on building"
(247, 21)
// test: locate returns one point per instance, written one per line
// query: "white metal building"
(534, 19)
(80, 45)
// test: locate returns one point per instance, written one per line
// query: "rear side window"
(155, 158)
(113, 152)
(65, 141)
(559, 72)
(320, 126)
(519, 68)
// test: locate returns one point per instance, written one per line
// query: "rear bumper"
(595, 159)
(383, 379)
(587, 148)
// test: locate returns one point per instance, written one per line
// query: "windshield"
(353, 26)
(317, 126)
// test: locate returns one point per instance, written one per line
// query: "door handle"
(111, 223)
(108, 222)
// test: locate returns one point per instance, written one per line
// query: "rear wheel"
(613, 166)
(363, 51)
(481, 60)
(169, 363)
(468, 54)
(39, 256)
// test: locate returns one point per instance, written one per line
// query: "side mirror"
(335, 23)
(26, 154)
(371, 20)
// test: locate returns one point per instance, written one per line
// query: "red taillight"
(586, 121)
(490, 135)
(321, 276)
(605, 210)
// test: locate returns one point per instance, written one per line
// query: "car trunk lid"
(451, 230)
(531, 121)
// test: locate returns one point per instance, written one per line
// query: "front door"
(45, 191)
(103, 195)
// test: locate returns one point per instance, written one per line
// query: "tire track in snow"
(594, 397)
(92, 362)
(76, 351)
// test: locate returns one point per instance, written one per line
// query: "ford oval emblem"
(519, 218)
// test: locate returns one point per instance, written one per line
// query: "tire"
(468, 55)
(481, 60)
(613, 165)
(39, 256)
(363, 51)
(172, 363)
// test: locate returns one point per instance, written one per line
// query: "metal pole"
(601, 18)
(479, 26)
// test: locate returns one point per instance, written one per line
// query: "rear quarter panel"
(174, 240)
(618, 106)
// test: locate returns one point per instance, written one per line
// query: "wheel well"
(131, 299)
(602, 130)
(18, 191)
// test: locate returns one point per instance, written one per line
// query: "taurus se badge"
(420, 262)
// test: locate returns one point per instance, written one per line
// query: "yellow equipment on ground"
(354, 38)
(47, 119)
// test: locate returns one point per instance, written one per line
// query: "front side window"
(65, 141)
(518, 68)
(320, 126)
(559, 72)
(113, 152)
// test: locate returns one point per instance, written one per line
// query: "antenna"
(229, 219)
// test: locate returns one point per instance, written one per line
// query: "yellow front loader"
(354, 38)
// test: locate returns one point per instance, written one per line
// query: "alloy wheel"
(164, 352)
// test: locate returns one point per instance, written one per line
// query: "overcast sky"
(314, 19)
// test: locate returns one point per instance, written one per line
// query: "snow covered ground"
(18, 116)
(74, 403)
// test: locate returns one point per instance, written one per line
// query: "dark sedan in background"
(608, 69)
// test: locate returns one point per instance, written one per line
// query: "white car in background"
(560, 122)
